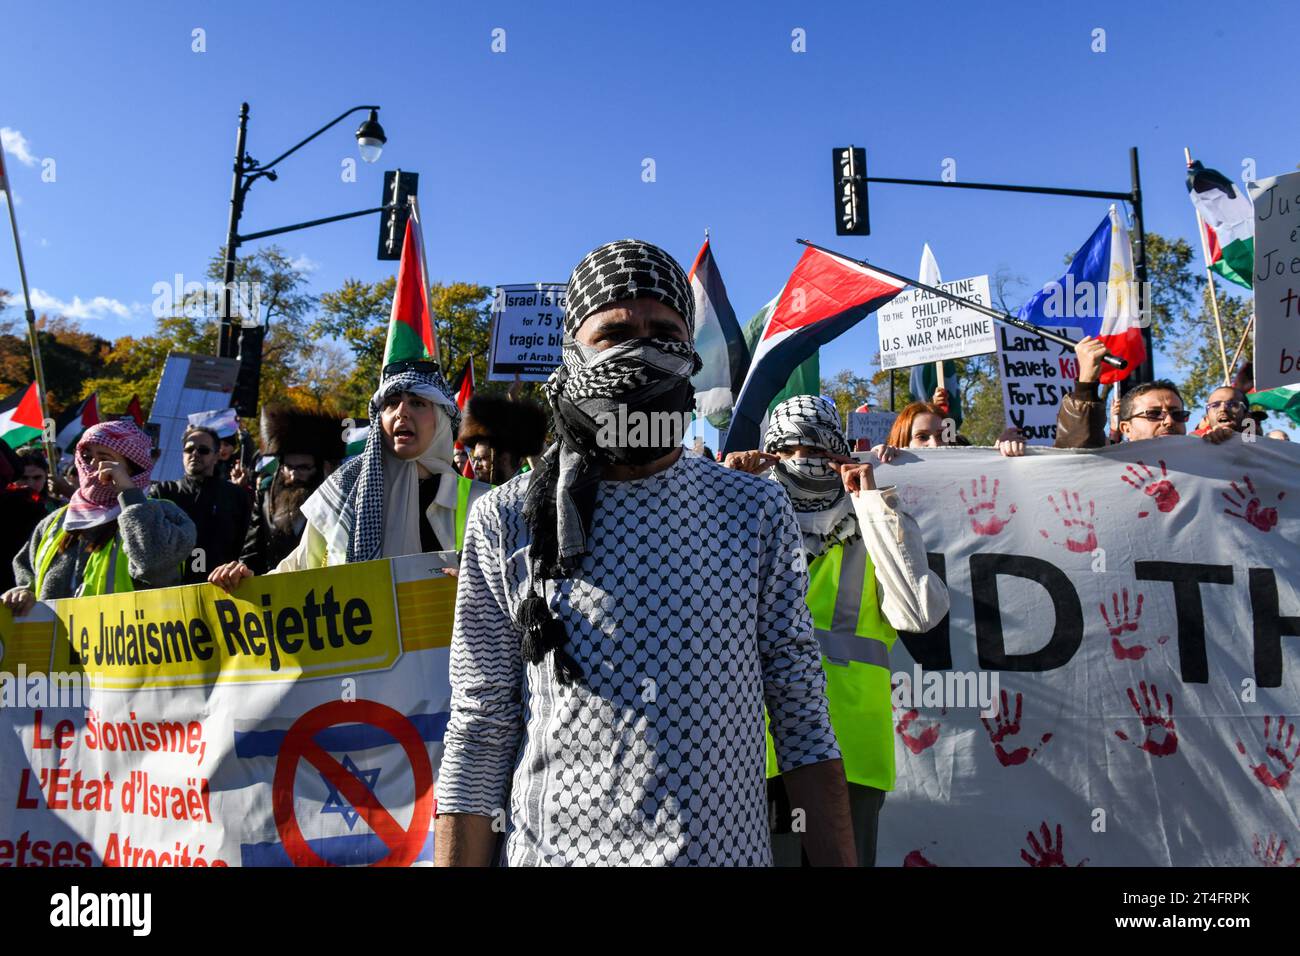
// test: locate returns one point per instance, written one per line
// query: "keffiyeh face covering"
(644, 377)
(93, 503)
(821, 505)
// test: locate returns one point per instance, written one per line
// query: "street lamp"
(371, 138)
(370, 143)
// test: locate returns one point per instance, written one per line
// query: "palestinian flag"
(718, 340)
(824, 297)
(462, 386)
(1285, 400)
(135, 411)
(20, 417)
(1228, 217)
(354, 437)
(806, 379)
(74, 421)
(410, 330)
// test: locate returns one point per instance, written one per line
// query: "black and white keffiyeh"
(626, 269)
(821, 506)
(640, 374)
(369, 508)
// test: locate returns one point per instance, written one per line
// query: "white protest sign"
(1277, 280)
(1035, 374)
(527, 331)
(917, 327)
(1140, 609)
(873, 426)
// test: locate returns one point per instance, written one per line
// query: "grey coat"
(156, 537)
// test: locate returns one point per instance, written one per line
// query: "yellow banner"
(277, 627)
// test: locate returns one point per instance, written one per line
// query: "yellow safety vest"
(855, 642)
(106, 570)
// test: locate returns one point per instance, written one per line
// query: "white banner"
(1035, 374)
(917, 327)
(873, 426)
(297, 722)
(527, 331)
(1140, 609)
(1277, 280)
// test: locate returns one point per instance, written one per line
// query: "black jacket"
(266, 546)
(220, 512)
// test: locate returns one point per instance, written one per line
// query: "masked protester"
(109, 538)
(580, 588)
(220, 510)
(401, 495)
(499, 434)
(21, 507)
(307, 448)
(868, 579)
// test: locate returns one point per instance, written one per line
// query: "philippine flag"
(824, 297)
(1098, 293)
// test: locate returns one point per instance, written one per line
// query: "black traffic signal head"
(398, 188)
(850, 175)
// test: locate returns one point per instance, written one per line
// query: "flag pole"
(1006, 318)
(33, 340)
(424, 266)
(1244, 336)
(1209, 279)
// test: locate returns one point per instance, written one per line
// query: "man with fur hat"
(499, 434)
(625, 617)
(307, 446)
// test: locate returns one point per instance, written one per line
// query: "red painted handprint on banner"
(1247, 502)
(982, 506)
(916, 858)
(1275, 769)
(1161, 490)
(1272, 854)
(1080, 535)
(1005, 726)
(1121, 621)
(1161, 737)
(920, 738)
(1047, 853)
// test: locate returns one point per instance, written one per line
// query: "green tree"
(848, 390)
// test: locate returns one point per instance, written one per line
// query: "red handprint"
(916, 742)
(982, 506)
(1047, 854)
(1003, 727)
(1161, 737)
(1080, 533)
(916, 858)
(1272, 854)
(1161, 490)
(1250, 511)
(1276, 774)
(1121, 623)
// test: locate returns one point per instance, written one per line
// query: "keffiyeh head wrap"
(642, 374)
(369, 508)
(821, 505)
(93, 503)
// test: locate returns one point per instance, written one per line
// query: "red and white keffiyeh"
(93, 503)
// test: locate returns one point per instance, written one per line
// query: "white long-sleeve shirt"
(912, 597)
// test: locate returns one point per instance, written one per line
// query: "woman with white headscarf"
(401, 495)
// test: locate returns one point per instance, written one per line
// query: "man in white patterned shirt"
(624, 615)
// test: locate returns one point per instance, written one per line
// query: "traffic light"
(398, 187)
(850, 173)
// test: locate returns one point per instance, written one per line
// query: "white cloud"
(15, 144)
(99, 307)
(304, 264)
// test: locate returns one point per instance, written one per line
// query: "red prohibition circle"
(404, 843)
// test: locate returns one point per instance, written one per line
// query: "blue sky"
(530, 157)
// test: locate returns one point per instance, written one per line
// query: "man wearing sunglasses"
(1225, 411)
(220, 510)
(1150, 410)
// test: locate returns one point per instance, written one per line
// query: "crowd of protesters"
(773, 685)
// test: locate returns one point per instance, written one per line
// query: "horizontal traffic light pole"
(1008, 188)
(1004, 317)
(315, 222)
